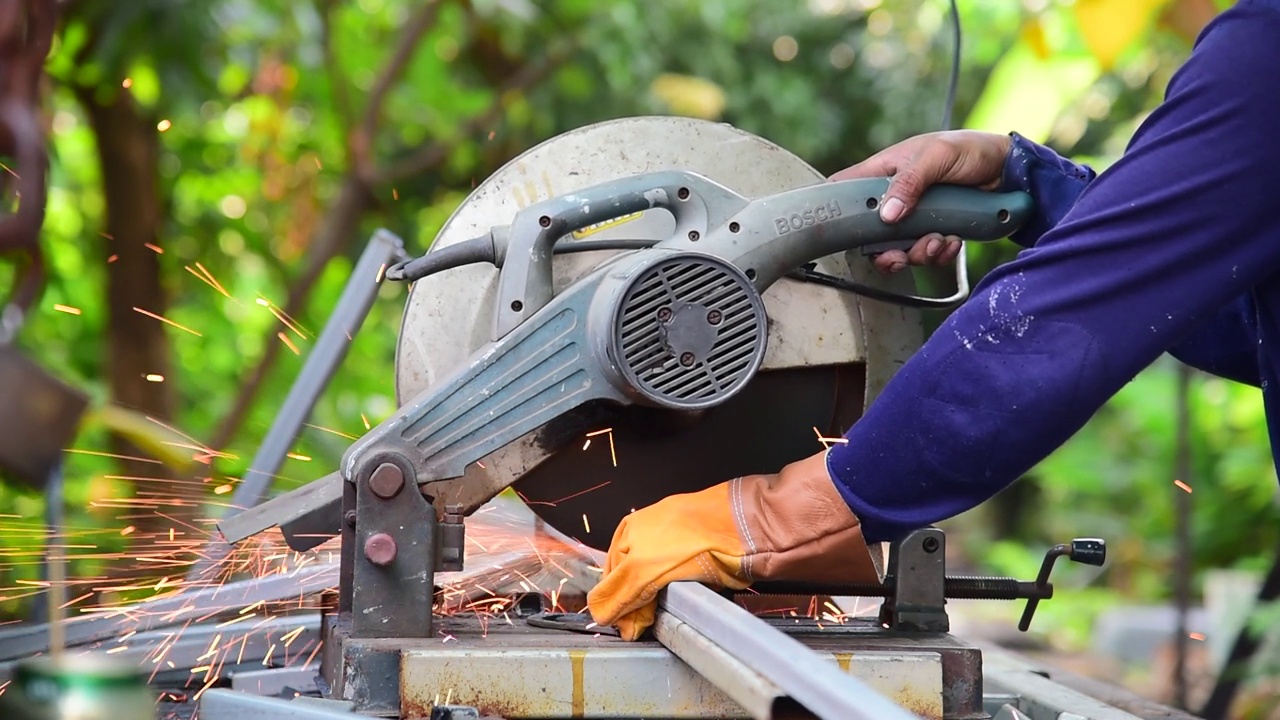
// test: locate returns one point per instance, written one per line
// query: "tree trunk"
(137, 345)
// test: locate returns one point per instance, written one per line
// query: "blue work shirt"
(1175, 248)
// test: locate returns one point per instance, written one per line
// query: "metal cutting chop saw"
(696, 292)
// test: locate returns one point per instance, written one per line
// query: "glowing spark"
(163, 125)
(339, 433)
(115, 650)
(153, 248)
(395, 195)
(828, 441)
(365, 420)
(127, 83)
(613, 454)
(266, 661)
(312, 656)
(288, 343)
(167, 321)
(67, 309)
(112, 455)
(153, 377)
(222, 490)
(292, 635)
(112, 259)
(1196, 636)
(235, 620)
(296, 456)
(382, 270)
(586, 444)
(586, 524)
(1183, 486)
(207, 279)
(599, 432)
(128, 531)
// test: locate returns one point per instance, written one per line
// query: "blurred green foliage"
(259, 107)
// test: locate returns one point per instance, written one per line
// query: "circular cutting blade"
(595, 479)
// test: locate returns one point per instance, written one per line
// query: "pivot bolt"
(386, 481)
(714, 317)
(686, 359)
(380, 549)
(664, 314)
(350, 518)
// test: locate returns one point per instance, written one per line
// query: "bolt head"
(686, 359)
(386, 481)
(349, 517)
(380, 549)
(714, 317)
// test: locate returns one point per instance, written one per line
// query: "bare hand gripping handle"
(775, 235)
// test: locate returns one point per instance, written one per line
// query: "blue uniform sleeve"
(1183, 225)
(1054, 181)
(1225, 345)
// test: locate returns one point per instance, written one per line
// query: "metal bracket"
(918, 567)
(394, 554)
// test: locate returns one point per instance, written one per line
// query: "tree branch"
(432, 155)
(338, 83)
(362, 136)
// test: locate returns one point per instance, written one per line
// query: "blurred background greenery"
(253, 145)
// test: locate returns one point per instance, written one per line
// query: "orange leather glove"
(792, 525)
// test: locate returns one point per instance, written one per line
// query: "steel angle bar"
(179, 609)
(235, 705)
(274, 681)
(328, 352)
(757, 696)
(817, 685)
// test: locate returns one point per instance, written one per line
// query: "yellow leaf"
(689, 96)
(1109, 27)
(1033, 35)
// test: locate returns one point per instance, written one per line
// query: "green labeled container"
(78, 687)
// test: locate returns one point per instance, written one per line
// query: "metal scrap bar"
(173, 610)
(185, 649)
(234, 705)
(816, 684)
(281, 510)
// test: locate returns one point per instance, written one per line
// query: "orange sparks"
(292, 635)
(339, 433)
(167, 321)
(364, 420)
(1196, 636)
(297, 456)
(153, 248)
(128, 531)
(395, 194)
(222, 490)
(1182, 486)
(126, 83)
(153, 377)
(586, 444)
(67, 309)
(828, 441)
(288, 343)
(207, 279)
(585, 523)
(163, 125)
(113, 455)
(112, 259)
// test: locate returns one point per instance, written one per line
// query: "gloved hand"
(792, 525)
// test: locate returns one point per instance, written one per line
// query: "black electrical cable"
(475, 250)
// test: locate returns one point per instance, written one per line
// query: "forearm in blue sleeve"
(1053, 181)
(1182, 225)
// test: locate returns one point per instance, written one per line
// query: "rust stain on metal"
(579, 706)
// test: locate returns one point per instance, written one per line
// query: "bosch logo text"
(812, 216)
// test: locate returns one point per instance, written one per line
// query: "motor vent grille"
(690, 331)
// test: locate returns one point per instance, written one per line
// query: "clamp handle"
(1087, 551)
